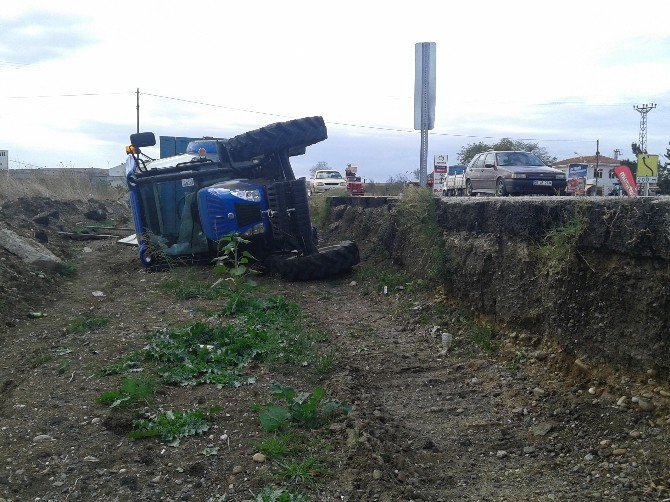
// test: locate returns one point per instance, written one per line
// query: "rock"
(589, 457)
(592, 390)
(41, 236)
(541, 429)
(539, 392)
(581, 365)
(98, 294)
(91, 459)
(528, 450)
(539, 355)
(635, 434)
(96, 215)
(447, 339)
(501, 454)
(31, 253)
(43, 218)
(157, 479)
(377, 474)
(259, 457)
(87, 249)
(42, 438)
(96, 420)
(237, 469)
(619, 451)
(353, 283)
(645, 404)
(622, 401)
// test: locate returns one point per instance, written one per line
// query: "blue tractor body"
(183, 205)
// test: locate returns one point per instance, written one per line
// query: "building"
(601, 181)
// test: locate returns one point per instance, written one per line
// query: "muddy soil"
(445, 405)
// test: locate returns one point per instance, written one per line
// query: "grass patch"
(272, 494)
(86, 324)
(132, 391)
(483, 336)
(374, 278)
(277, 446)
(560, 245)
(130, 363)
(304, 472)
(320, 210)
(171, 426)
(66, 269)
(417, 214)
(186, 286)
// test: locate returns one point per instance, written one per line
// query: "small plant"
(132, 391)
(560, 245)
(271, 494)
(66, 269)
(86, 324)
(127, 364)
(276, 446)
(483, 336)
(172, 426)
(304, 409)
(301, 472)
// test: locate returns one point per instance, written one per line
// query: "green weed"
(187, 286)
(560, 245)
(276, 446)
(417, 214)
(85, 324)
(127, 364)
(64, 366)
(171, 426)
(483, 336)
(272, 494)
(66, 269)
(133, 390)
(303, 409)
(305, 472)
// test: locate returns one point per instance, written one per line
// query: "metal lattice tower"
(644, 110)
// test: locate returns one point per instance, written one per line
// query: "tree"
(636, 149)
(322, 164)
(468, 152)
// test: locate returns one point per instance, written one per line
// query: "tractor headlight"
(517, 176)
(319, 183)
(560, 176)
(343, 183)
(250, 195)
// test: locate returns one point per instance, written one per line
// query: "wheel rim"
(468, 188)
(501, 188)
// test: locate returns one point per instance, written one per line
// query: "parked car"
(324, 180)
(505, 173)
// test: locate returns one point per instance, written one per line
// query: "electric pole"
(644, 110)
(138, 109)
(617, 152)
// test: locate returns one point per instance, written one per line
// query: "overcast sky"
(562, 74)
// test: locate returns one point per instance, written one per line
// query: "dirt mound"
(23, 288)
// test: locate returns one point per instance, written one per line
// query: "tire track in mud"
(461, 426)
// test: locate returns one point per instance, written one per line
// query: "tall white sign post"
(424, 99)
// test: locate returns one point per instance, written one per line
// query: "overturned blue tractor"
(183, 205)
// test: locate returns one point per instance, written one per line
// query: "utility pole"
(644, 110)
(138, 109)
(597, 164)
(617, 152)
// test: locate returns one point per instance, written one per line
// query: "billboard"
(647, 168)
(441, 163)
(625, 177)
(577, 178)
(4, 160)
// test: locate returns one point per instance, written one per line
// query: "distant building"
(117, 176)
(599, 181)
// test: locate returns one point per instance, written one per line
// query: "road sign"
(647, 168)
(4, 160)
(424, 85)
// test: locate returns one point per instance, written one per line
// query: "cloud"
(41, 36)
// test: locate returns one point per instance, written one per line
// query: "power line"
(83, 94)
(27, 164)
(359, 126)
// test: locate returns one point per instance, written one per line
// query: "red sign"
(626, 179)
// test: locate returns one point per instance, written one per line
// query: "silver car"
(506, 173)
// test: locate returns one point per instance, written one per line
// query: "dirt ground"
(444, 404)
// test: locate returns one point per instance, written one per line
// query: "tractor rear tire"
(330, 261)
(277, 137)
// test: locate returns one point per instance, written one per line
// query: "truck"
(355, 185)
(454, 181)
(184, 205)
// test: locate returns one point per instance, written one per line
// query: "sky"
(562, 75)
